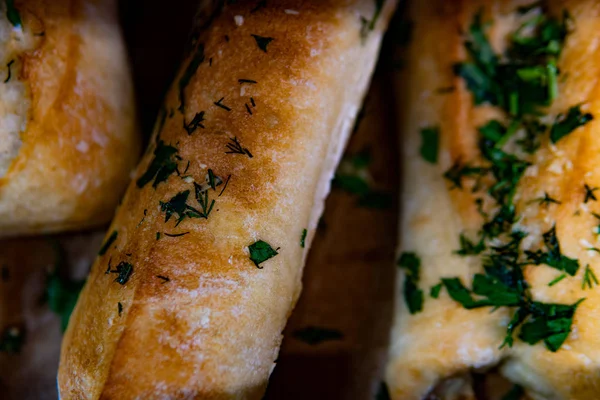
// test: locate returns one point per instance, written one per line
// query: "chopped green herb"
(220, 104)
(435, 290)
(467, 247)
(458, 172)
(413, 296)
(124, 271)
(557, 279)
(260, 252)
(262, 42)
(546, 200)
(246, 81)
(111, 239)
(236, 148)
(9, 73)
(589, 193)
(13, 14)
(430, 143)
(12, 339)
(315, 335)
(161, 167)
(303, 238)
(178, 206)
(175, 234)
(194, 123)
(157, 235)
(550, 323)
(119, 308)
(188, 74)
(553, 256)
(567, 124)
(589, 278)
(163, 278)
(202, 199)
(211, 179)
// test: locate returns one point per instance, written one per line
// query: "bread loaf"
(67, 119)
(203, 262)
(499, 238)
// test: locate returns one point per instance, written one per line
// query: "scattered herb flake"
(430, 143)
(163, 278)
(220, 104)
(553, 256)
(589, 278)
(241, 81)
(124, 271)
(260, 252)
(303, 238)
(434, 292)
(413, 296)
(589, 193)
(567, 124)
(557, 279)
(194, 123)
(235, 147)
(262, 42)
(120, 308)
(161, 167)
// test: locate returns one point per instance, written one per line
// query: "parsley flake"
(589, 193)
(567, 124)
(430, 143)
(262, 42)
(553, 256)
(589, 278)
(303, 238)
(161, 167)
(260, 252)
(413, 296)
(124, 271)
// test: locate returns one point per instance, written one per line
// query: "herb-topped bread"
(499, 232)
(67, 120)
(203, 263)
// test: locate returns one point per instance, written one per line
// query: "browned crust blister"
(199, 319)
(79, 144)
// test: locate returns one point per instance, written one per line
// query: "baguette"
(503, 217)
(67, 119)
(203, 262)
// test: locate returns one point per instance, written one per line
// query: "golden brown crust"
(445, 339)
(213, 329)
(79, 142)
